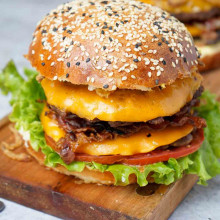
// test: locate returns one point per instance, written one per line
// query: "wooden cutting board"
(34, 186)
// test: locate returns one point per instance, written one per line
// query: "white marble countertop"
(17, 22)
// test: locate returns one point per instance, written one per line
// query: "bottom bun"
(210, 57)
(87, 176)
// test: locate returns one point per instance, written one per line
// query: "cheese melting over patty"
(121, 105)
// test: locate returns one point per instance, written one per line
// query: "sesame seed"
(149, 74)
(133, 77)
(43, 64)
(124, 78)
(43, 32)
(164, 62)
(60, 59)
(52, 64)
(158, 73)
(77, 63)
(87, 60)
(114, 87)
(152, 68)
(173, 64)
(138, 45)
(108, 62)
(67, 75)
(135, 60)
(157, 81)
(110, 74)
(105, 86)
(92, 80)
(68, 64)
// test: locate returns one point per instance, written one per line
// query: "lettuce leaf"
(27, 98)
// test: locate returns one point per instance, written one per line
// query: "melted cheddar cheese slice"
(187, 6)
(137, 143)
(121, 105)
(195, 30)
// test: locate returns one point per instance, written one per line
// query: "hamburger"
(202, 18)
(115, 99)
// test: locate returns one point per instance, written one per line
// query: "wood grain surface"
(34, 186)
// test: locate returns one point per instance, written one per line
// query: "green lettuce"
(27, 104)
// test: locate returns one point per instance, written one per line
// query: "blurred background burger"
(202, 18)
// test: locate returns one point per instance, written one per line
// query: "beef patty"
(201, 16)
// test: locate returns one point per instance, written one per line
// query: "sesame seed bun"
(112, 44)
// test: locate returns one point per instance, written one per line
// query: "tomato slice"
(155, 156)
(164, 155)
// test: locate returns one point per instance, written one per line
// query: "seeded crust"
(112, 44)
(87, 176)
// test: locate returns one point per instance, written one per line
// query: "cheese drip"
(121, 105)
(140, 142)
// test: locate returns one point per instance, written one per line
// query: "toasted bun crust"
(210, 62)
(112, 44)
